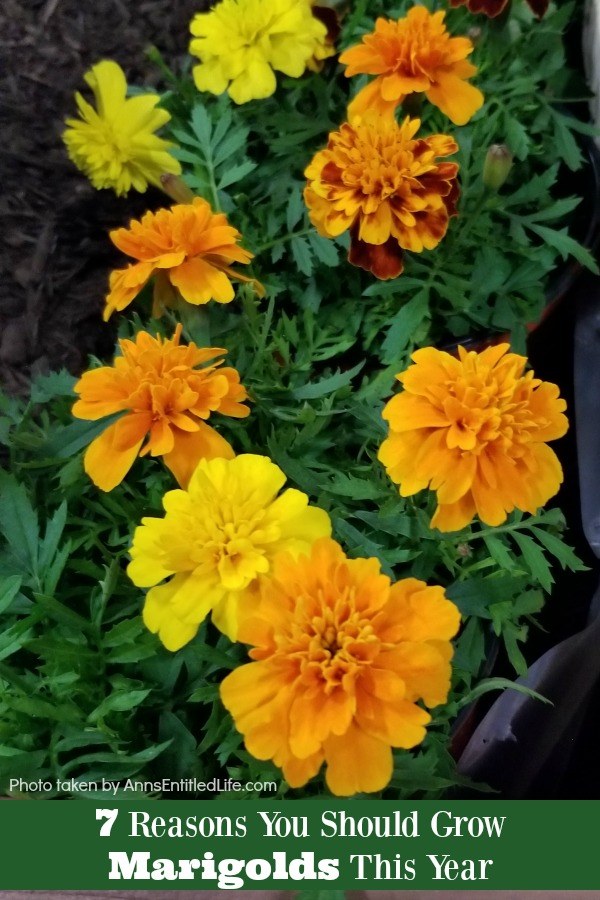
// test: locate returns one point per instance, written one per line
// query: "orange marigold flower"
(341, 657)
(474, 429)
(414, 54)
(165, 398)
(389, 189)
(493, 8)
(189, 248)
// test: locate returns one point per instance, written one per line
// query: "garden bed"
(90, 690)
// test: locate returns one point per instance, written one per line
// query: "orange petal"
(200, 282)
(356, 763)
(369, 100)
(191, 447)
(456, 98)
(106, 466)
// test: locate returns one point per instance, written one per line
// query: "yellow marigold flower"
(166, 398)
(242, 43)
(214, 541)
(387, 187)
(188, 248)
(414, 54)
(341, 657)
(474, 429)
(115, 144)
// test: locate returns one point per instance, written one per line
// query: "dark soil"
(55, 253)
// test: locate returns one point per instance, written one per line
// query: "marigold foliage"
(166, 399)
(115, 144)
(242, 43)
(188, 248)
(387, 187)
(341, 657)
(215, 539)
(474, 429)
(414, 55)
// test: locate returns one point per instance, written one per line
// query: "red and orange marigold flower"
(493, 8)
(474, 429)
(414, 55)
(341, 658)
(165, 398)
(387, 187)
(188, 248)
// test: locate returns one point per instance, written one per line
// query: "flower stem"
(284, 239)
(196, 324)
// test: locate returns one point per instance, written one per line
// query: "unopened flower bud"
(474, 34)
(176, 188)
(498, 163)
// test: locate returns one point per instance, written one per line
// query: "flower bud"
(498, 163)
(176, 188)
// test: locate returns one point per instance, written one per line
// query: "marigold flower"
(341, 657)
(166, 398)
(474, 429)
(493, 8)
(414, 54)
(188, 248)
(389, 189)
(215, 539)
(242, 43)
(115, 144)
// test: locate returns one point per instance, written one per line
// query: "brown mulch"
(55, 254)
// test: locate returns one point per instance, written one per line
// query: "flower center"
(330, 640)
(236, 547)
(484, 410)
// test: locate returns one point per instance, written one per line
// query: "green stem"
(471, 217)
(214, 192)
(284, 239)
(499, 529)
(263, 337)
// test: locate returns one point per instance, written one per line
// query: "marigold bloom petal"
(198, 282)
(455, 97)
(412, 55)
(399, 724)
(340, 658)
(205, 443)
(473, 429)
(357, 763)
(222, 532)
(158, 615)
(370, 100)
(115, 144)
(166, 398)
(424, 669)
(107, 465)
